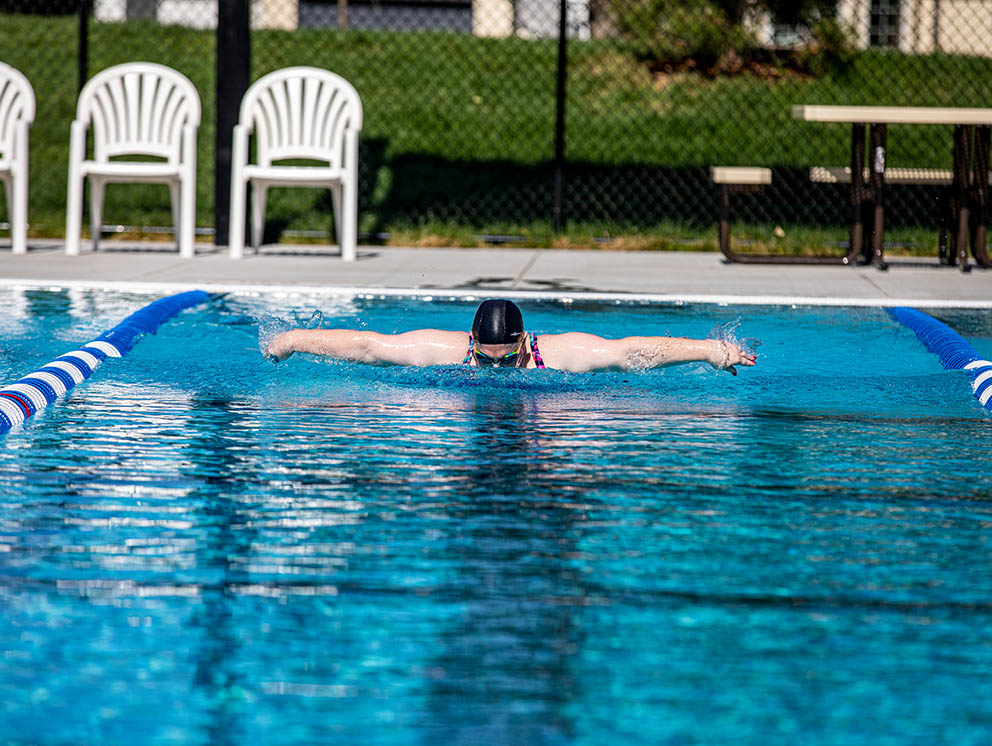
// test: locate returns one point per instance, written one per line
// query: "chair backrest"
(16, 104)
(138, 108)
(301, 112)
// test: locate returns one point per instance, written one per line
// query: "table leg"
(962, 158)
(946, 221)
(857, 192)
(980, 186)
(877, 141)
(723, 224)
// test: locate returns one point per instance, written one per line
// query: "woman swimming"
(498, 339)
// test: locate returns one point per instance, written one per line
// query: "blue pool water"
(197, 546)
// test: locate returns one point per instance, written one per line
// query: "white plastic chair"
(297, 112)
(138, 108)
(17, 105)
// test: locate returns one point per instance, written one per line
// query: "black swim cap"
(498, 322)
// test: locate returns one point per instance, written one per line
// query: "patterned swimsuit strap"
(471, 349)
(536, 353)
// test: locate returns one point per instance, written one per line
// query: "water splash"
(269, 327)
(315, 321)
(727, 331)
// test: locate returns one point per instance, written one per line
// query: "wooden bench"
(732, 179)
(735, 179)
(741, 175)
(842, 175)
(751, 179)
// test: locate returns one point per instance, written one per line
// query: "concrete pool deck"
(668, 276)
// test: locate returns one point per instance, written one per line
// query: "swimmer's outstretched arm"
(421, 347)
(579, 352)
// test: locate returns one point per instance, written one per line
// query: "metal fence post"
(233, 76)
(558, 219)
(83, 47)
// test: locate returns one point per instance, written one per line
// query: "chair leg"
(349, 198)
(175, 195)
(336, 206)
(6, 180)
(187, 218)
(97, 189)
(74, 212)
(239, 193)
(19, 216)
(17, 191)
(259, 196)
(74, 200)
(349, 221)
(236, 227)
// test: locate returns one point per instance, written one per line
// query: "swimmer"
(498, 339)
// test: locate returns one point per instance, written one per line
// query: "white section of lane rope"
(981, 378)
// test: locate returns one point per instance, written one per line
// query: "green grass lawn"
(458, 135)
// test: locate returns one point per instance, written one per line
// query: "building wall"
(376, 15)
(950, 26)
(537, 19)
(927, 26)
(279, 14)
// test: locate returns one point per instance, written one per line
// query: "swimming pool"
(197, 546)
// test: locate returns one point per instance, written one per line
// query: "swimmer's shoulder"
(433, 346)
(576, 351)
(568, 340)
(436, 336)
(569, 337)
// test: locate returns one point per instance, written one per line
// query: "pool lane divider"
(954, 351)
(34, 392)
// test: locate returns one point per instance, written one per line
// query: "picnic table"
(968, 182)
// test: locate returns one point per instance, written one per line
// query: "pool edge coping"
(476, 293)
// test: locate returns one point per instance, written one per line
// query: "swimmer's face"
(498, 356)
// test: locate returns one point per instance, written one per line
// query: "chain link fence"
(462, 102)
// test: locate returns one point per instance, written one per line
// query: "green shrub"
(676, 34)
(833, 47)
(713, 36)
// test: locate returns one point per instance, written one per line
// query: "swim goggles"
(508, 360)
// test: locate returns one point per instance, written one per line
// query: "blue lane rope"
(954, 352)
(34, 392)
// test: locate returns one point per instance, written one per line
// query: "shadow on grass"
(428, 189)
(635, 195)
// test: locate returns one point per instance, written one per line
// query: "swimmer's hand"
(279, 348)
(726, 355)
